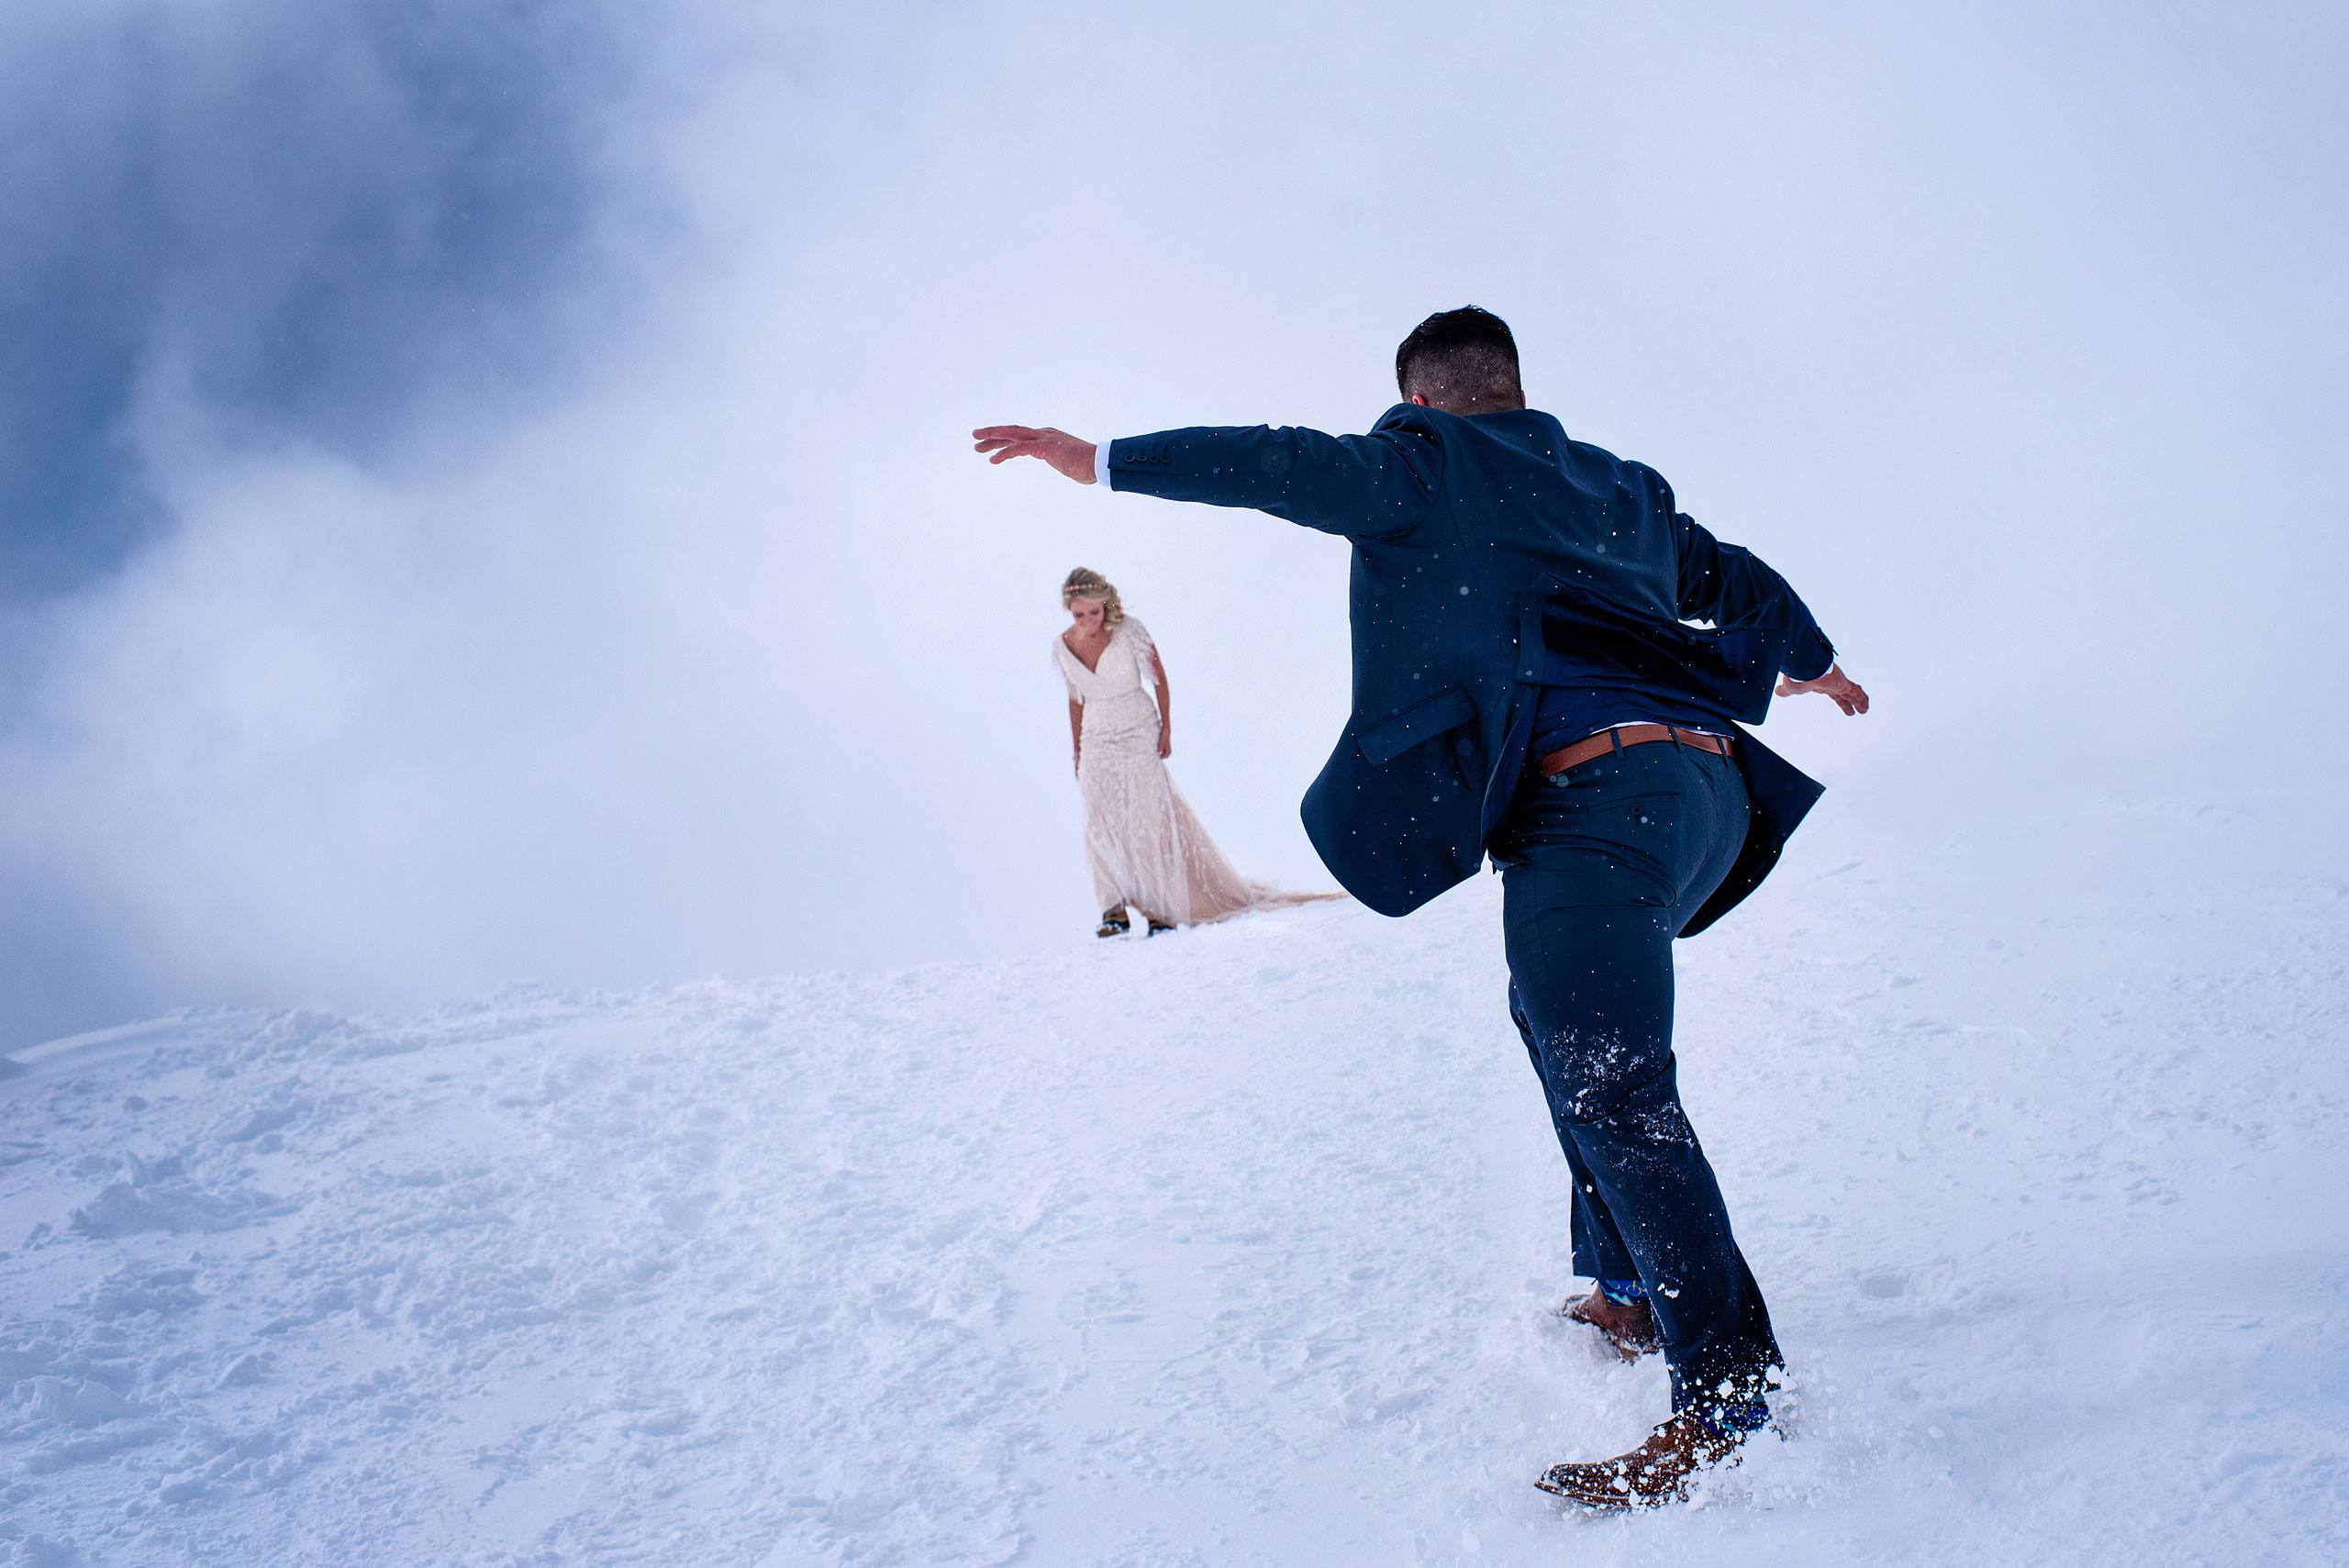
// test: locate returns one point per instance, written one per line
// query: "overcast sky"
(485, 490)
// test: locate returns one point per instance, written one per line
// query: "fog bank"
(489, 497)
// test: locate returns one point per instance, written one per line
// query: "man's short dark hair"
(1460, 356)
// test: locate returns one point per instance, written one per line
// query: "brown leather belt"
(1607, 743)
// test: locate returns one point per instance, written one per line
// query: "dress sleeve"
(1060, 667)
(1145, 656)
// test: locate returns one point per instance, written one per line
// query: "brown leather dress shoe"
(1655, 1472)
(1630, 1329)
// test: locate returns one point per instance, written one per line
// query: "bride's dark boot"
(1113, 923)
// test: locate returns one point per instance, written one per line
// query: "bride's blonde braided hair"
(1093, 588)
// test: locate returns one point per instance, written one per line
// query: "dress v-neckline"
(1094, 668)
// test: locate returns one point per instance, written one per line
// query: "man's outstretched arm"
(1376, 485)
(1731, 587)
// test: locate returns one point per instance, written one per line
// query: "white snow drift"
(1233, 1247)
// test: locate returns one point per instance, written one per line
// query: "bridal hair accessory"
(1091, 586)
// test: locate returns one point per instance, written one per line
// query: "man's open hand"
(1835, 684)
(1063, 451)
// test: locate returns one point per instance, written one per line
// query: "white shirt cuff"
(1101, 464)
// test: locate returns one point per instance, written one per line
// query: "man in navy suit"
(1528, 686)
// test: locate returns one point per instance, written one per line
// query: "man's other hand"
(1063, 451)
(1835, 684)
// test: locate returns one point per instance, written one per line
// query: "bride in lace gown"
(1146, 846)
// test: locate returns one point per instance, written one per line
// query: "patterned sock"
(1734, 1419)
(1623, 1291)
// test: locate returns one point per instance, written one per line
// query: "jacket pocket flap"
(1390, 737)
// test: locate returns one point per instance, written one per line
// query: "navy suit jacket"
(1476, 543)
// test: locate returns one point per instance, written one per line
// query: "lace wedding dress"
(1145, 844)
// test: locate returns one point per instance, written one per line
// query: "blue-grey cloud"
(305, 217)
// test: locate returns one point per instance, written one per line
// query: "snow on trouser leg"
(1598, 872)
(1653, 1180)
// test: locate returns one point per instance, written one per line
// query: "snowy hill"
(1237, 1246)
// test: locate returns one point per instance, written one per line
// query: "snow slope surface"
(1239, 1246)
